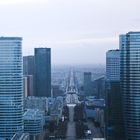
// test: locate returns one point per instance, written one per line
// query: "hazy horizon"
(77, 31)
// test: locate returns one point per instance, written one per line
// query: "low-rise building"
(21, 136)
(34, 121)
(40, 103)
(56, 109)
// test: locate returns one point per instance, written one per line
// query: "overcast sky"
(78, 31)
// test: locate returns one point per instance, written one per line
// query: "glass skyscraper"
(28, 65)
(42, 72)
(11, 86)
(130, 83)
(114, 115)
(88, 83)
(113, 65)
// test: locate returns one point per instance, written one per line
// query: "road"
(71, 101)
(71, 124)
(71, 90)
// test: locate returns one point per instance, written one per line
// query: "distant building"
(87, 83)
(56, 91)
(130, 83)
(56, 108)
(28, 65)
(95, 103)
(42, 72)
(33, 123)
(100, 119)
(28, 87)
(11, 87)
(114, 115)
(95, 110)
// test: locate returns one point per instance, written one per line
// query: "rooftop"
(10, 38)
(33, 114)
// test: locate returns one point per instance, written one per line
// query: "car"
(51, 137)
(88, 132)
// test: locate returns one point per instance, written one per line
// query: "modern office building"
(33, 123)
(28, 65)
(114, 115)
(87, 83)
(25, 87)
(28, 72)
(130, 83)
(98, 86)
(42, 72)
(28, 87)
(113, 65)
(11, 87)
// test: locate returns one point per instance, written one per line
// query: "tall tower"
(11, 86)
(43, 72)
(28, 65)
(88, 83)
(113, 65)
(130, 83)
(114, 115)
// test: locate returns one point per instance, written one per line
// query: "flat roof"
(33, 114)
(10, 38)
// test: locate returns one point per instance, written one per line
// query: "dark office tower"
(114, 115)
(43, 72)
(11, 87)
(87, 83)
(99, 87)
(28, 65)
(130, 83)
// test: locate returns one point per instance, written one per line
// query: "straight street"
(71, 124)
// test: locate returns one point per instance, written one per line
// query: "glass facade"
(130, 83)
(113, 65)
(42, 72)
(114, 115)
(11, 84)
(87, 83)
(28, 65)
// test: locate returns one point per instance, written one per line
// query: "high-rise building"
(113, 65)
(28, 65)
(42, 72)
(114, 115)
(130, 83)
(99, 87)
(28, 85)
(11, 87)
(25, 87)
(28, 72)
(87, 83)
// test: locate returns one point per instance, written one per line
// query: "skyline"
(78, 32)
